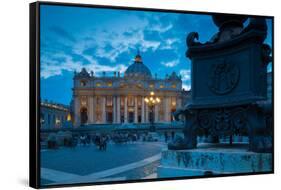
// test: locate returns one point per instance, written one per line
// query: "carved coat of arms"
(223, 77)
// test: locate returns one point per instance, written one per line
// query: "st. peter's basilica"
(120, 99)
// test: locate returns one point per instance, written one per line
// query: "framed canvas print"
(120, 94)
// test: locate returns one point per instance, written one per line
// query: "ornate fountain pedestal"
(228, 97)
(210, 159)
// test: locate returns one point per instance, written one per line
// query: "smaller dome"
(83, 73)
(174, 76)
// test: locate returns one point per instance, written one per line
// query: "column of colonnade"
(136, 110)
(168, 109)
(116, 109)
(76, 111)
(142, 110)
(91, 109)
(156, 113)
(103, 111)
(126, 110)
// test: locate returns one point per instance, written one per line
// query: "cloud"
(111, 44)
(128, 37)
(185, 74)
(170, 63)
(186, 87)
(170, 43)
(62, 33)
(161, 28)
(100, 47)
(52, 67)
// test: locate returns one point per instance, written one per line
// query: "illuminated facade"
(54, 115)
(115, 99)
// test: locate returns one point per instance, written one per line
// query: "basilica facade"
(120, 99)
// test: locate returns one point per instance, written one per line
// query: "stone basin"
(213, 159)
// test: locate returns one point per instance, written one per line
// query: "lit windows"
(42, 118)
(109, 84)
(174, 102)
(58, 121)
(68, 117)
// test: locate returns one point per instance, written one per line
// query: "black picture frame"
(34, 93)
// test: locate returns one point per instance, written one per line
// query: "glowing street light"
(151, 101)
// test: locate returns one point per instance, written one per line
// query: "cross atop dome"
(138, 58)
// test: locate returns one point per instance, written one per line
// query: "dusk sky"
(108, 40)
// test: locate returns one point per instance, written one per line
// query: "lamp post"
(151, 101)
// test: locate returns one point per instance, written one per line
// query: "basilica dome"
(138, 69)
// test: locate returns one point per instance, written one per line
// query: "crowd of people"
(101, 140)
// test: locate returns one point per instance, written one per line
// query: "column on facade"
(179, 103)
(136, 110)
(114, 109)
(156, 113)
(118, 109)
(91, 109)
(94, 109)
(167, 109)
(147, 113)
(142, 110)
(125, 111)
(103, 109)
(76, 112)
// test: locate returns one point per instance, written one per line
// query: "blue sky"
(107, 40)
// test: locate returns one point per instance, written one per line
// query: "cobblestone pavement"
(84, 164)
